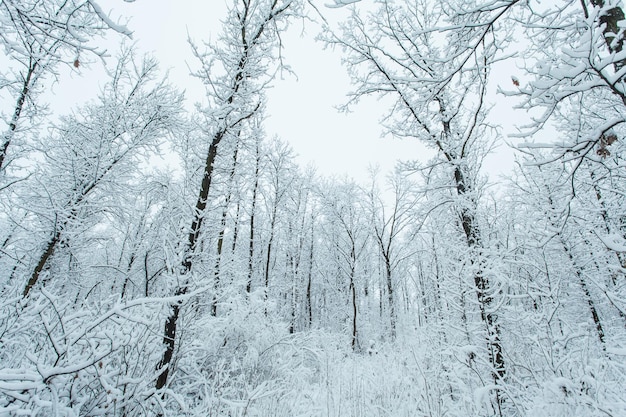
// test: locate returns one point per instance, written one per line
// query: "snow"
(342, 298)
(614, 242)
(110, 23)
(340, 3)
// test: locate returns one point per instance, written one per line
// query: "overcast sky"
(300, 110)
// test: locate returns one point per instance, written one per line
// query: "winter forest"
(238, 282)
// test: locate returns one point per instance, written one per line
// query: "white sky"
(301, 111)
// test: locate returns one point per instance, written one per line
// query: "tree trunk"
(252, 216)
(169, 330)
(354, 311)
(583, 285)
(389, 282)
(481, 284)
(267, 263)
(309, 310)
(56, 239)
(611, 32)
(268, 258)
(621, 259)
(222, 232)
(233, 247)
(169, 338)
(42, 262)
(19, 106)
(293, 266)
(201, 203)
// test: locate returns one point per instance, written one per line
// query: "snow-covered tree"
(38, 36)
(346, 235)
(438, 95)
(67, 338)
(235, 71)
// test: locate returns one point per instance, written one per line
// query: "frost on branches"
(237, 283)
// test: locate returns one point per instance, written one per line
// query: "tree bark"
(222, 232)
(252, 216)
(583, 285)
(389, 282)
(481, 283)
(169, 339)
(19, 106)
(169, 330)
(309, 310)
(611, 31)
(42, 262)
(268, 257)
(354, 311)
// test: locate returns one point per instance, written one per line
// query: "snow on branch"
(613, 242)
(340, 3)
(110, 23)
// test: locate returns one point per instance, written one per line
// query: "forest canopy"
(236, 282)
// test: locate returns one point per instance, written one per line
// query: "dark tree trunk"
(481, 284)
(268, 258)
(201, 203)
(583, 285)
(233, 247)
(42, 262)
(611, 32)
(19, 106)
(252, 216)
(127, 277)
(354, 311)
(54, 241)
(267, 263)
(169, 338)
(169, 330)
(222, 233)
(309, 310)
(392, 307)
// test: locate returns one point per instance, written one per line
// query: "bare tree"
(281, 176)
(348, 238)
(439, 97)
(390, 223)
(235, 72)
(38, 36)
(134, 113)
